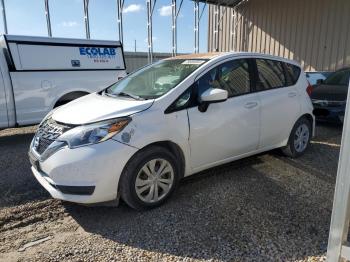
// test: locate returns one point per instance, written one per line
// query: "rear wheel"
(299, 138)
(149, 178)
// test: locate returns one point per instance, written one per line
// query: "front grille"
(48, 132)
(43, 144)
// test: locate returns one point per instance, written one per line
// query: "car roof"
(222, 55)
(343, 69)
(197, 56)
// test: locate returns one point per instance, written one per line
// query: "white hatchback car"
(176, 117)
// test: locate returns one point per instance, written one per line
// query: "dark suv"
(329, 96)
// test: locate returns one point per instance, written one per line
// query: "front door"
(226, 129)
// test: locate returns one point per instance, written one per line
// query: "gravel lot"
(264, 208)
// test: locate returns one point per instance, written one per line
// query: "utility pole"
(150, 8)
(86, 18)
(48, 20)
(135, 45)
(120, 4)
(196, 26)
(4, 16)
(173, 27)
(215, 46)
(174, 14)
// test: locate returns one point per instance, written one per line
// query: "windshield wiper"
(130, 95)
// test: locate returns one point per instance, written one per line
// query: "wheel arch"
(69, 97)
(173, 148)
(310, 118)
(306, 116)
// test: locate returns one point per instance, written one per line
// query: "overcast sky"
(27, 17)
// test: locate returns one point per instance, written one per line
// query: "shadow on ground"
(321, 159)
(231, 212)
(17, 184)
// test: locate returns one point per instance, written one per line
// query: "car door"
(226, 129)
(279, 102)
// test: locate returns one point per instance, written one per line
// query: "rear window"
(338, 78)
(270, 74)
(292, 73)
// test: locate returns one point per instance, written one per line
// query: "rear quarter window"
(292, 73)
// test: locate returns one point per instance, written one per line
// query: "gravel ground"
(264, 208)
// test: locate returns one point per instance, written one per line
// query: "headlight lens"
(94, 133)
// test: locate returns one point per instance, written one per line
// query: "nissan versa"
(137, 138)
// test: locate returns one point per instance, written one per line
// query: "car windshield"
(154, 80)
(338, 78)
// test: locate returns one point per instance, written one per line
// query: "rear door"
(226, 129)
(279, 102)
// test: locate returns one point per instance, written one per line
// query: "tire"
(136, 181)
(293, 148)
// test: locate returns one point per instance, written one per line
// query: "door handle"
(250, 105)
(292, 94)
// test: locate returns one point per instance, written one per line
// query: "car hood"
(95, 107)
(330, 92)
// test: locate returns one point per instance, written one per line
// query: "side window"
(270, 74)
(292, 73)
(209, 80)
(182, 102)
(338, 78)
(232, 76)
(184, 99)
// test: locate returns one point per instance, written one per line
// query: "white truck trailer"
(38, 74)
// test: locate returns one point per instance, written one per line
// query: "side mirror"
(212, 95)
(319, 81)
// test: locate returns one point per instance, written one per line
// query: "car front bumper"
(329, 114)
(86, 175)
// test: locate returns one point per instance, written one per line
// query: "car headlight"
(94, 133)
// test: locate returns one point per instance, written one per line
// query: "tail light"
(309, 88)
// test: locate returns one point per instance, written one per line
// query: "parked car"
(176, 117)
(329, 96)
(41, 73)
(315, 77)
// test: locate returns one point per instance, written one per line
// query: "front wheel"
(149, 178)
(299, 139)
